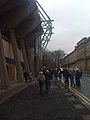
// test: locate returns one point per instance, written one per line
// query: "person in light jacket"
(47, 80)
(41, 79)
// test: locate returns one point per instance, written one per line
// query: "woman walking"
(48, 78)
(41, 79)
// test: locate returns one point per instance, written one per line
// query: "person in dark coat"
(47, 80)
(51, 72)
(30, 76)
(71, 76)
(26, 74)
(77, 77)
(66, 76)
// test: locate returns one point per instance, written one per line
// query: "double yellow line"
(83, 97)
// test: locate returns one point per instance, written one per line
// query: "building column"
(31, 58)
(3, 69)
(36, 67)
(37, 56)
(25, 56)
(16, 56)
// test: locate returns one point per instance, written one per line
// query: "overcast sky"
(71, 22)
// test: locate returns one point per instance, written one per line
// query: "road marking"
(82, 95)
(84, 98)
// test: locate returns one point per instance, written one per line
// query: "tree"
(59, 54)
(47, 59)
(52, 58)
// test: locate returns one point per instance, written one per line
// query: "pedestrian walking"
(30, 76)
(66, 76)
(77, 77)
(26, 74)
(51, 72)
(71, 76)
(41, 79)
(48, 80)
(44, 70)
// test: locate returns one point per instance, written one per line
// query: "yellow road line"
(77, 93)
(82, 95)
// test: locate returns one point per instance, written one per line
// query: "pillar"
(25, 56)
(3, 69)
(31, 58)
(16, 56)
(37, 65)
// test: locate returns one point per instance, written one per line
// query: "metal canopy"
(46, 24)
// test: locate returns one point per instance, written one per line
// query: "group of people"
(44, 78)
(74, 74)
(71, 76)
(27, 76)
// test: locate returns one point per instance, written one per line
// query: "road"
(30, 105)
(85, 86)
(82, 92)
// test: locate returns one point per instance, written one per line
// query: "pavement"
(13, 89)
(28, 104)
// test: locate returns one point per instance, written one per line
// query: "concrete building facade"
(20, 28)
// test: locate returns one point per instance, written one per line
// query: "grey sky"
(71, 22)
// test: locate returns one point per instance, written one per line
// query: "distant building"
(80, 56)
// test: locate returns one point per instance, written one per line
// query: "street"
(85, 86)
(30, 105)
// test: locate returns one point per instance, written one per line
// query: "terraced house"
(80, 57)
(22, 38)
